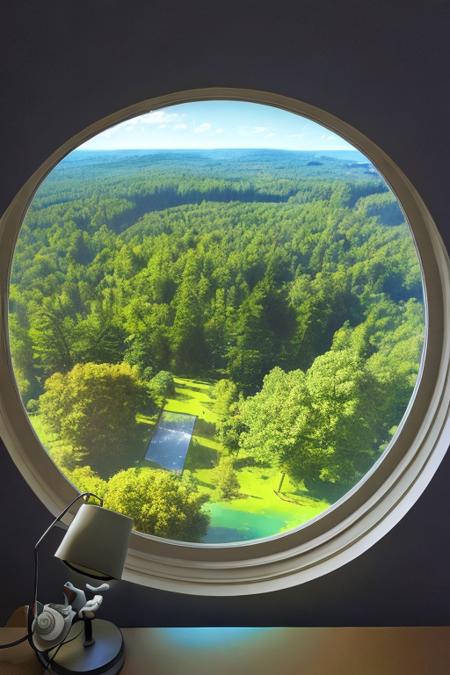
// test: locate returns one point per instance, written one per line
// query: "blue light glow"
(205, 638)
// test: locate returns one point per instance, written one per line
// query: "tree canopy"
(158, 502)
(93, 409)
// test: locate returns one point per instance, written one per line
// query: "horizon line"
(220, 148)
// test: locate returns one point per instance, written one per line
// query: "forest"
(274, 295)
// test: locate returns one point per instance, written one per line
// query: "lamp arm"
(32, 607)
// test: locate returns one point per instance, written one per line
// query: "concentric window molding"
(352, 524)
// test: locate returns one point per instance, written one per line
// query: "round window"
(217, 320)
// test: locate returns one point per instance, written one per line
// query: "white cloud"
(180, 125)
(202, 128)
(271, 135)
(220, 130)
(157, 117)
(252, 131)
(128, 124)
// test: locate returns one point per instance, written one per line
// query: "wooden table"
(267, 651)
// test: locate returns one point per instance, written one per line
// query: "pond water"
(170, 441)
(245, 525)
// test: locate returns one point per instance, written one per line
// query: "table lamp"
(67, 637)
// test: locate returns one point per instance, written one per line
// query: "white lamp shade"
(96, 542)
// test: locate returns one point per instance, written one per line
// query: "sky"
(218, 124)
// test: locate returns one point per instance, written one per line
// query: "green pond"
(228, 525)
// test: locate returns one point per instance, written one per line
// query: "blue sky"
(218, 124)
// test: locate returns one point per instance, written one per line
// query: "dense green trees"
(208, 295)
(291, 280)
(326, 427)
(277, 424)
(187, 341)
(319, 426)
(234, 287)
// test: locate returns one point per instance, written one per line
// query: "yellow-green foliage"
(86, 480)
(93, 409)
(160, 503)
(227, 483)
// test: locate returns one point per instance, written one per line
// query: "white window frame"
(351, 525)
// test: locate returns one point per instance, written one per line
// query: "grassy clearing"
(257, 484)
(257, 490)
(193, 397)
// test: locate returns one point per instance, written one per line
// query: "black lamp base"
(104, 656)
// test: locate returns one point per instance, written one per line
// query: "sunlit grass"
(193, 397)
(258, 484)
(257, 487)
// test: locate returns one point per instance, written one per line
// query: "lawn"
(194, 397)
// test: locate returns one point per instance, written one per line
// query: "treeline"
(125, 173)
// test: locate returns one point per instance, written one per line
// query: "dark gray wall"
(383, 67)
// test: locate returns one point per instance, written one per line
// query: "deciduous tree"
(93, 408)
(159, 502)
